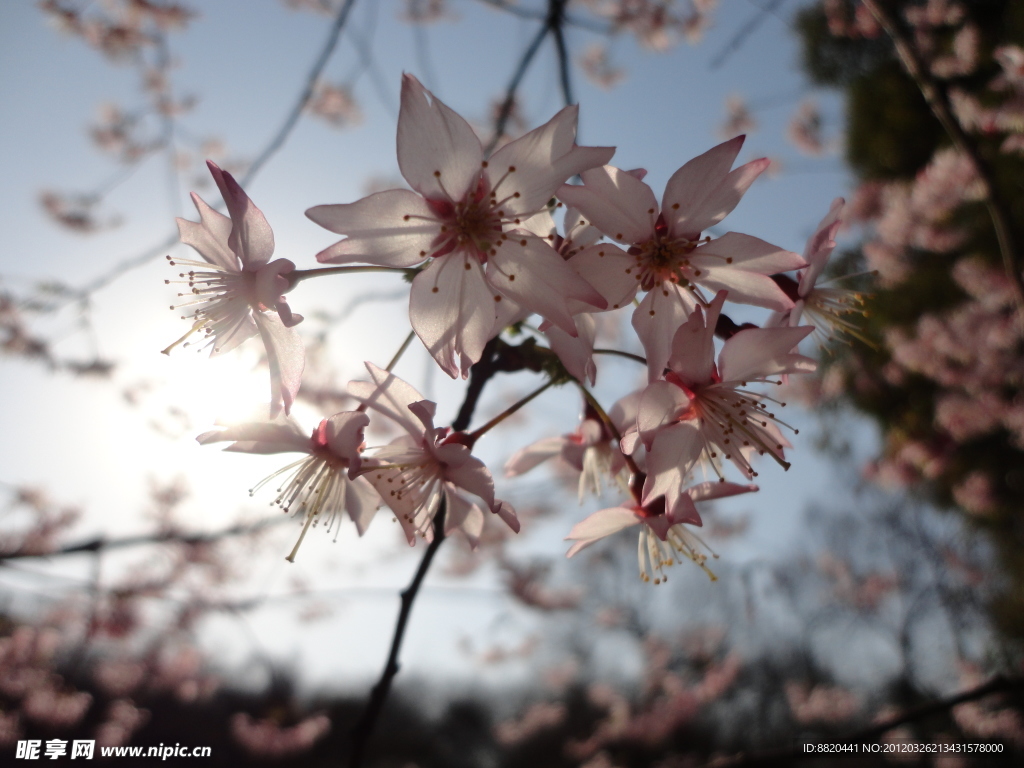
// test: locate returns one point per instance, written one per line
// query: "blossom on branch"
(667, 257)
(237, 291)
(590, 449)
(826, 308)
(463, 223)
(701, 410)
(413, 471)
(662, 536)
(325, 483)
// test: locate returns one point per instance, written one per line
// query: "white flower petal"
(604, 267)
(527, 458)
(576, 353)
(656, 321)
(391, 396)
(543, 159)
(693, 346)
(251, 238)
(746, 287)
(209, 236)
(473, 476)
(672, 454)
(600, 524)
(451, 308)
(820, 245)
(691, 185)
(661, 404)
(616, 202)
(286, 358)
(344, 434)
(281, 436)
(438, 152)
(532, 274)
(393, 229)
(760, 352)
(464, 516)
(721, 200)
(713, 490)
(747, 253)
(361, 502)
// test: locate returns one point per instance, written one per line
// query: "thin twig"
(936, 98)
(529, 13)
(556, 22)
(364, 726)
(477, 433)
(276, 142)
(166, 537)
(307, 93)
(745, 31)
(510, 93)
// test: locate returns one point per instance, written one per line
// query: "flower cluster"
(479, 237)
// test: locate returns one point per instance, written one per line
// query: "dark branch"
(748, 28)
(556, 23)
(307, 93)
(364, 726)
(510, 93)
(165, 537)
(497, 357)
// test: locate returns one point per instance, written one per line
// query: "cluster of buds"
(479, 238)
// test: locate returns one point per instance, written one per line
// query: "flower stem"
(299, 275)
(364, 727)
(606, 419)
(475, 434)
(401, 351)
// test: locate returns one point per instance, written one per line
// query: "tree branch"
(556, 23)
(510, 93)
(378, 695)
(166, 537)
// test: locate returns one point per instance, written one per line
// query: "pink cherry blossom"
(590, 449)
(237, 291)
(464, 222)
(701, 410)
(826, 308)
(580, 250)
(325, 483)
(667, 256)
(413, 471)
(662, 536)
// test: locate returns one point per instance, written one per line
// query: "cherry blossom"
(237, 291)
(826, 308)
(325, 483)
(464, 222)
(662, 536)
(701, 410)
(579, 247)
(413, 471)
(590, 449)
(667, 256)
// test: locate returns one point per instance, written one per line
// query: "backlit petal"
(616, 202)
(393, 228)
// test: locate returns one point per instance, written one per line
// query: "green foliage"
(891, 132)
